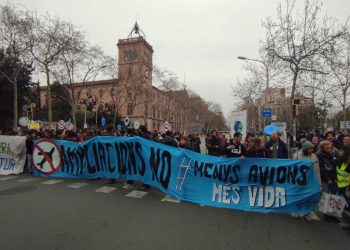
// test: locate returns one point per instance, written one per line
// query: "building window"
(129, 109)
(102, 92)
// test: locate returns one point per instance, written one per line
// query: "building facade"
(280, 104)
(132, 93)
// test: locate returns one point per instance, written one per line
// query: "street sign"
(69, 125)
(273, 117)
(103, 121)
(24, 121)
(166, 126)
(61, 124)
(46, 156)
(25, 107)
(266, 112)
(136, 124)
(34, 125)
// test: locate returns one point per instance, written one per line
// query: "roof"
(92, 83)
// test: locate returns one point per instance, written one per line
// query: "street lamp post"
(267, 85)
(97, 109)
(90, 93)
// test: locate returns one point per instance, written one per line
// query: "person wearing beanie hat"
(306, 146)
(306, 153)
(302, 140)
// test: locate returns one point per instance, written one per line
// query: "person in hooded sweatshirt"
(328, 160)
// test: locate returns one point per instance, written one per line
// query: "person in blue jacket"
(276, 147)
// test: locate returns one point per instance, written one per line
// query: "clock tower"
(135, 58)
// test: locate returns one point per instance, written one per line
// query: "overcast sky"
(198, 39)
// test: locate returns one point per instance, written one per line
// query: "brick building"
(132, 93)
(276, 99)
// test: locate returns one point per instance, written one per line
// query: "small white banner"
(166, 126)
(238, 122)
(12, 154)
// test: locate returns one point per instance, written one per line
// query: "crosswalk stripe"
(51, 182)
(5, 178)
(137, 194)
(27, 180)
(105, 189)
(168, 198)
(77, 185)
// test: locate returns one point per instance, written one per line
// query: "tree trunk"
(73, 114)
(15, 105)
(49, 101)
(313, 110)
(344, 112)
(73, 110)
(294, 132)
(115, 111)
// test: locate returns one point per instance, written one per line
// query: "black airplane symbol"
(44, 159)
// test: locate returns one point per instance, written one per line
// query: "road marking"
(136, 194)
(27, 180)
(201, 205)
(105, 189)
(6, 178)
(77, 185)
(51, 182)
(168, 198)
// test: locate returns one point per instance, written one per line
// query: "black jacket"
(170, 141)
(282, 151)
(329, 160)
(195, 145)
(213, 146)
(238, 150)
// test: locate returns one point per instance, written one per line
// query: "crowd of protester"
(329, 152)
(190, 142)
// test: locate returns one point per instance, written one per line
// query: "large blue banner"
(252, 184)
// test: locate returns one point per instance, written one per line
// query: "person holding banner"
(195, 142)
(29, 146)
(144, 133)
(276, 147)
(235, 148)
(306, 153)
(328, 161)
(255, 149)
(184, 143)
(213, 143)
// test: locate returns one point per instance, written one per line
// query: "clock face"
(130, 55)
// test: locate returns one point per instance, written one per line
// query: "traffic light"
(29, 113)
(296, 107)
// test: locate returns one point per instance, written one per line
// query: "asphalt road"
(70, 215)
